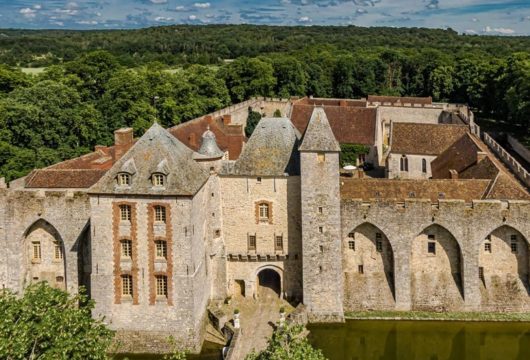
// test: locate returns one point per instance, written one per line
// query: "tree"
(252, 121)
(47, 323)
(291, 79)
(288, 343)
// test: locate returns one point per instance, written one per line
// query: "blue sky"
(506, 17)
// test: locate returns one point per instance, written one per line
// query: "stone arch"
(504, 269)
(269, 280)
(368, 265)
(436, 270)
(45, 254)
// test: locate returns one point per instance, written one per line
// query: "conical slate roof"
(271, 150)
(157, 151)
(318, 135)
(209, 147)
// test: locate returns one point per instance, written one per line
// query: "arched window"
(404, 163)
(159, 180)
(123, 179)
(424, 166)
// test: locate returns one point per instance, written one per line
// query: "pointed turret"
(318, 135)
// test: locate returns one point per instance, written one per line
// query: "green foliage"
(277, 113)
(350, 152)
(252, 121)
(48, 323)
(176, 353)
(288, 343)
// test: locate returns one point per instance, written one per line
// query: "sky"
(491, 17)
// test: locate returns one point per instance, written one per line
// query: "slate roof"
(434, 190)
(318, 135)
(270, 151)
(209, 147)
(350, 125)
(156, 151)
(401, 100)
(424, 139)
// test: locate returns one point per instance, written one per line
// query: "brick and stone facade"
(220, 217)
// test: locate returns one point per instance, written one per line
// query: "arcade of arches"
(45, 255)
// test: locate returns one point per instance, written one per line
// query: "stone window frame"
(125, 212)
(424, 166)
(162, 249)
(130, 293)
(58, 254)
(160, 214)
(351, 245)
(431, 248)
(404, 163)
(161, 279)
(360, 269)
(321, 157)
(487, 247)
(268, 218)
(123, 179)
(126, 250)
(250, 246)
(278, 242)
(36, 248)
(158, 180)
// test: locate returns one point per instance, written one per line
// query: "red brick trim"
(256, 207)
(151, 238)
(116, 219)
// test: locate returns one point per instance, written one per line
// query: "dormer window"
(124, 179)
(159, 180)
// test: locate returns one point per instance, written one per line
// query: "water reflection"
(431, 340)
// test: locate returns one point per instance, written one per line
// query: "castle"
(158, 227)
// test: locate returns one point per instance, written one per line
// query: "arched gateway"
(269, 283)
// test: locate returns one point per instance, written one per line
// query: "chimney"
(99, 147)
(123, 140)
(209, 119)
(343, 103)
(227, 119)
(481, 155)
(453, 174)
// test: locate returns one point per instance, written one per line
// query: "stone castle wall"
(240, 197)
(415, 167)
(448, 279)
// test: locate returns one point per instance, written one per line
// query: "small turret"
(209, 147)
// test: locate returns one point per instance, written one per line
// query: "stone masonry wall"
(415, 167)
(457, 226)
(239, 197)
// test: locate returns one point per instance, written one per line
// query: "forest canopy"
(97, 81)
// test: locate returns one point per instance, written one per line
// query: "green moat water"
(409, 340)
(422, 340)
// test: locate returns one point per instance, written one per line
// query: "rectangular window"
(487, 247)
(431, 237)
(379, 245)
(321, 248)
(263, 212)
(513, 237)
(161, 285)
(351, 245)
(351, 235)
(58, 250)
(36, 250)
(514, 247)
(126, 248)
(160, 213)
(320, 210)
(320, 229)
(431, 247)
(361, 269)
(321, 157)
(279, 243)
(258, 180)
(161, 249)
(252, 242)
(124, 179)
(125, 212)
(481, 273)
(158, 180)
(126, 285)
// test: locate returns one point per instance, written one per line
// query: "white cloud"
(470, 32)
(304, 19)
(87, 22)
(158, 2)
(180, 8)
(500, 30)
(205, 5)
(28, 13)
(474, 20)
(192, 17)
(37, 6)
(163, 19)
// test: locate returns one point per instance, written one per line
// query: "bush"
(48, 323)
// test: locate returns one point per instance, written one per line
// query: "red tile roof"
(350, 124)
(229, 137)
(63, 178)
(424, 139)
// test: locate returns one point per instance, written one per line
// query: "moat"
(386, 340)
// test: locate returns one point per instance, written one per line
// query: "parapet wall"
(509, 160)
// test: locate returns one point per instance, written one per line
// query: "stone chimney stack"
(453, 174)
(123, 140)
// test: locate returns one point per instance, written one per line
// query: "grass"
(427, 315)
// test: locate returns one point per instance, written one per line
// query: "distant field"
(33, 70)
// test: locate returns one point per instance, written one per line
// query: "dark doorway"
(240, 288)
(270, 283)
